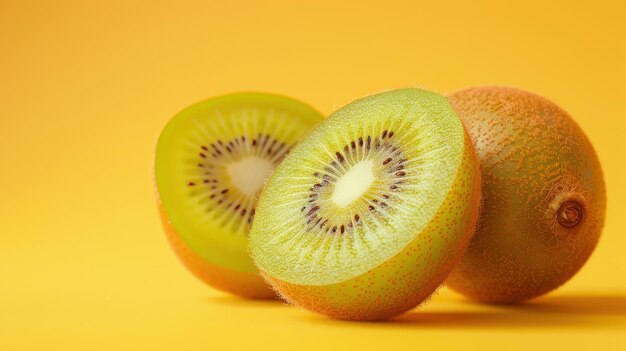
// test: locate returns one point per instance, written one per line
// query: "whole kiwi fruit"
(543, 196)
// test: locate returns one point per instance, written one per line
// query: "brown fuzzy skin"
(244, 284)
(544, 196)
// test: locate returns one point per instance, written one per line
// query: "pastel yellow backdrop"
(86, 86)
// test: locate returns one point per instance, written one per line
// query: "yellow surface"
(85, 88)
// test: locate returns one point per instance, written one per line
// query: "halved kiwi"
(364, 219)
(212, 160)
(544, 196)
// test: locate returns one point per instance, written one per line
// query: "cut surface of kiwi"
(212, 160)
(374, 205)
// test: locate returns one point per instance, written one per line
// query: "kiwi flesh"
(374, 207)
(543, 196)
(212, 160)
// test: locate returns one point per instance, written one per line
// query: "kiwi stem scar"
(570, 214)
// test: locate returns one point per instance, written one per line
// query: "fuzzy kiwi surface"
(543, 196)
(364, 219)
(212, 160)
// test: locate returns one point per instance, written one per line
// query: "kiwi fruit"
(543, 196)
(365, 217)
(212, 160)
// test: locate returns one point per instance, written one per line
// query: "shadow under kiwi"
(237, 301)
(589, 304)
(543, 313)
(547, 312)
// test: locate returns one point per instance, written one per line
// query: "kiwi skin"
(544, 197)
(396, 287)
(243, 284)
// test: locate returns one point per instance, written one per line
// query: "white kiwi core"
(249, 174)
(354, 183)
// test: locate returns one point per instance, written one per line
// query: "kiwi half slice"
(364, 219)
(212, 160)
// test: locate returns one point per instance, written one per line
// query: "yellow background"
(86, 86)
